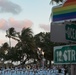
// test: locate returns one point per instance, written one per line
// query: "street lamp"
(39, 51)
(42, 53)
(43, 59)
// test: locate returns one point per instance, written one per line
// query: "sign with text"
(70, 32)
(63, 32)
(65, 54)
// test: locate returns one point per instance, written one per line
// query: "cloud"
(9, 7)
(3, 24)
(45, 27)
(17, 24)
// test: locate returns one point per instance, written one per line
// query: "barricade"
(23, 71)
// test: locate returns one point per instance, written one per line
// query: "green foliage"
(57, 1)
(25, 45)
(28, 44)
(11, 31)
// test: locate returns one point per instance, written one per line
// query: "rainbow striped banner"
(65, 12)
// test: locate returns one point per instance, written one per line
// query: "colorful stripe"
(64, 8)
(66, 12)
(64, 16)
(70, 3)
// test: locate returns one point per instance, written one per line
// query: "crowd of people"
(32, 71)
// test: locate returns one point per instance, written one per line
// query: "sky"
(24, 13)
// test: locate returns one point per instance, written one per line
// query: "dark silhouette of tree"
(4, 50)
(25, 45)
(57, 1)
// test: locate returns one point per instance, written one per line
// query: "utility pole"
(7, 34)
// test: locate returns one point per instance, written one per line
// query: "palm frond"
(57, 1)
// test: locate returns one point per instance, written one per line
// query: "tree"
(25, 45)
(4, 50)
(5, 46)
(43, 41)
(9, 33)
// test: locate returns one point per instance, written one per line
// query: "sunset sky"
(24, 13)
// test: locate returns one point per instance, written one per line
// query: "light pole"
(8, 35)
(41, 55)
(43, 59)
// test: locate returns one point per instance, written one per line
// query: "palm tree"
(26, 44)
(9, 33)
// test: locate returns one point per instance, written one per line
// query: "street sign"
(65, 54)
(70, 32)
(63, 32)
